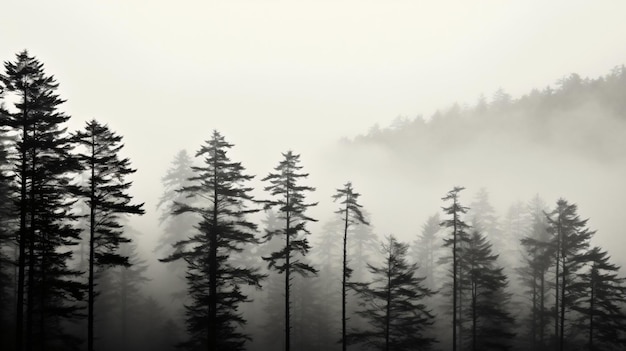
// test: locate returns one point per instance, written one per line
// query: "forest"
(244, 271)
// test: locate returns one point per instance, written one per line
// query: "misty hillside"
(586, 116)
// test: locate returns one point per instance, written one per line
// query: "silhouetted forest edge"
(248, 272)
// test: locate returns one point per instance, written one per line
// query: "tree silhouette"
(107, 196)
(393, 304)
(43, 166)
(289, 198)
(458, 236)
(571, 239)
(537, 260)
(213, 281)
(350, 212)
(601, 304)
(491, 323)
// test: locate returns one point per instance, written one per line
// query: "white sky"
(274, 75)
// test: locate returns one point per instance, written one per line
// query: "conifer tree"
(571, 239)
(351, 214)
(392, 303)
(491, 323)
(425, 247)
(106, 195)
(289, 198)
(177, 177)
(214, 283)
(538, 253)
(43, 169)
(459, 235)
(601, 303)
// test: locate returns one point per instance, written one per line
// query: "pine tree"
(175, 228)
(107, 196)
(177, 177)
(537, 260)
(393, 304)
(459, 235)
(290, 201)
(214, 283)
(571, 239)
(491, 323)
(425, 247)
(350, 212)
(43, 166)
(602, 317)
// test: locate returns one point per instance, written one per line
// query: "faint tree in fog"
(273, 300)
(601, 304)
(350, 212)
(120, 298)
(363, 245)
(537, 260)
(176, 227)
(392, 303)
(483, 218)
(458, 235)
(571, 240)
(491, 323)
(425, 247)
(213, 281)
(289, 198)
(43, 169)
(107, 196)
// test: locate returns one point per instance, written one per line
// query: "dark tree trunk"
(31, 253)
(212, 327)
(474, 317)
(343, 282)
(287, 282)
(19, 315)
(388, 307)
(454, 282)
(92, 229)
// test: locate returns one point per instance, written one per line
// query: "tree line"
(66, 194)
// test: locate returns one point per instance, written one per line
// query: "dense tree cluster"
(255, 275)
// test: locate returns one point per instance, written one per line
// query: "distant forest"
(72, 277)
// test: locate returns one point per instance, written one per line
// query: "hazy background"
(279, 75)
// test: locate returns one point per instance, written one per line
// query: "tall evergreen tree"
(601, 303)
(491, 323)
(177, 177)
(393, 304)
(107, 196)
(458, 236)
(571, 239)
(350, 213)
(289, 198)
(214, 283)
(43, 166)
(425, 247)
(538, 253)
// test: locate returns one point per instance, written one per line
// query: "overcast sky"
(275, 75)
